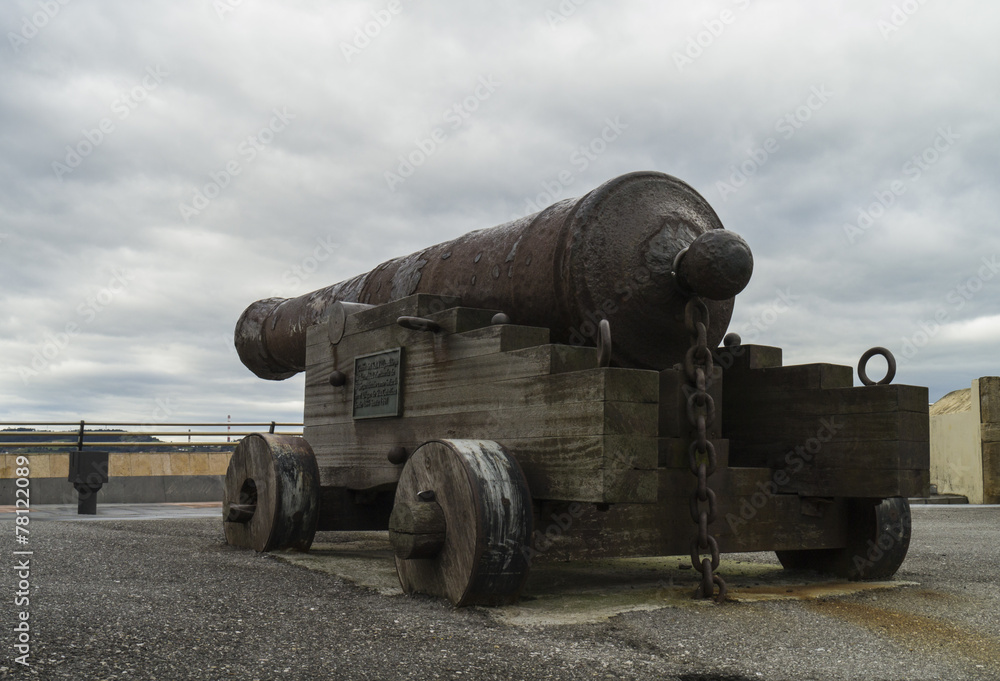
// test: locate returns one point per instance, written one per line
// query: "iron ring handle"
(863, 364)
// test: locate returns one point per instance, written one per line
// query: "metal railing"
(82, 430)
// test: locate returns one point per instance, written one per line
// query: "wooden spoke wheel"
(271, 495)
(879, 537)
(462, 522)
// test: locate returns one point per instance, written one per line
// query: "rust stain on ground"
(927, 633)
(808, 591)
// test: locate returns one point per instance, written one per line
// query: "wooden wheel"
(879, 537)
(462, 523)
(271, 495)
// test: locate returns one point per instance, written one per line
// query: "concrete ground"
(153, 592)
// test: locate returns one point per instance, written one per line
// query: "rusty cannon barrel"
(632, 251)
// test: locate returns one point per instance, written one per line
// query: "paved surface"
(155, 597)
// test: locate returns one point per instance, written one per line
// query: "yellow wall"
(124, 465)
(956, 455)
(965, 445)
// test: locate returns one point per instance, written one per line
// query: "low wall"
(965, 442)
(132, 478)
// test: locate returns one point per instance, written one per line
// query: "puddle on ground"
(584, 591)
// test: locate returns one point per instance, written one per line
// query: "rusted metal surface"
(607, 255)
(702, 457)
(717, 265)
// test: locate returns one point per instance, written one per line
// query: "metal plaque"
(377, 381)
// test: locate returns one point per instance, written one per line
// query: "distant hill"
(135, 442)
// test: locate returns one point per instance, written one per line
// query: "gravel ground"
(167, 599)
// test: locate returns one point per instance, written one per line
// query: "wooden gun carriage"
(483, 446)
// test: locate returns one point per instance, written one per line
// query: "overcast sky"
(166, 163)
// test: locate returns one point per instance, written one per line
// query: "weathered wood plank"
(370, 477)
(456, 321)
(618, 452)
(795, 377)
(990, 432)
(557, 420)
(423, 348)
(609, 384)
(609, 469)
(745, 357)
(748, 403)
(862, 454)
(749, 519)
(991, 472)
(325, 401)
(487, 365)
(989, 399)
(788, 430)
(858, 482)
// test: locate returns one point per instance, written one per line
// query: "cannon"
(562, 387)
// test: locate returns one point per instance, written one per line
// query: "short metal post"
(86, 503)
(88, 471)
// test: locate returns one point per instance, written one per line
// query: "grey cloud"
(560, 77)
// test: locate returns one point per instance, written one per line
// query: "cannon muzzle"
(631, 251)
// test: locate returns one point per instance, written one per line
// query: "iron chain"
(702, 457)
